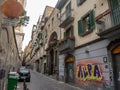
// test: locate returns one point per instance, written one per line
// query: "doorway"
(51, 62)
(70, 72)
(116, 67)
(69, 69)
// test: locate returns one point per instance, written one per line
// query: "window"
(86, 24)
(52, 20)
(46, 19)
(49, 25)
(68, 10)
(79, 2)
(69, 32)
(58, 15)
(40, 36)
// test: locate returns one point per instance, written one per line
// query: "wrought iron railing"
(115, 13)
(66, 14)
(104, 23)
(67, 44)
(109, 20)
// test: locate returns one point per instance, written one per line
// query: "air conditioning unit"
(100, 26)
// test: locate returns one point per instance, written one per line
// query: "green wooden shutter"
(80, 27)
(92, 20)
(72, 30)
(64, 34)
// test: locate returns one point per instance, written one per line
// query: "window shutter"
(80, 27)
(92, 20)
(72, 30)
(64, 34)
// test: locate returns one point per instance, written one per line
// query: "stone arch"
(53, 37)
(114, 54)
(52, 54)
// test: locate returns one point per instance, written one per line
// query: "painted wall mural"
(89, 70)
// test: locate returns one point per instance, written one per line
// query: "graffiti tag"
(88, 72)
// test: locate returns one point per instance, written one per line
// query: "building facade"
(53, 36)
(89, 49)
(19, 31)
(80, 44)
(26, 57)
(9, 53)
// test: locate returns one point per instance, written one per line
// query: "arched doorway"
(69, 69)
(116, 66)
(52, 58)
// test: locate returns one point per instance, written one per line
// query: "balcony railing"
(67, 45)
(109, 22)
(66, 18)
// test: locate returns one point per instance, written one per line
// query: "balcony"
(67, 45)
(60, 4)
(67, 18)
(108, 25)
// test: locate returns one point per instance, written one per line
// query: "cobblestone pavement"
(41, 82)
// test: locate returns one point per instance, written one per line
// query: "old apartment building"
(19, 30)
(80, 44)
(9, 51)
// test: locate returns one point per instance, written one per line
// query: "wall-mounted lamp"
(87, 49)
(105, 59)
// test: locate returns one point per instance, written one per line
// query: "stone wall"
(9, 58)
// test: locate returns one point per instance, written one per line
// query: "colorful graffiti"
(88, 71)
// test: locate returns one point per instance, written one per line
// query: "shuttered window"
(87, 23)
(64, 34)
(92, 20)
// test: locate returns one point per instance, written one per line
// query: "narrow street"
(41, 82)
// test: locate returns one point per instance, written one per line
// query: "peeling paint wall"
(9, 59)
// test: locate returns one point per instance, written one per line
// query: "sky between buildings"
(34, 9)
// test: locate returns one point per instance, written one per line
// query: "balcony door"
(68, 10)
(115, 8)
(69, 32)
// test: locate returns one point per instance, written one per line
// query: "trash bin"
(12, 82)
